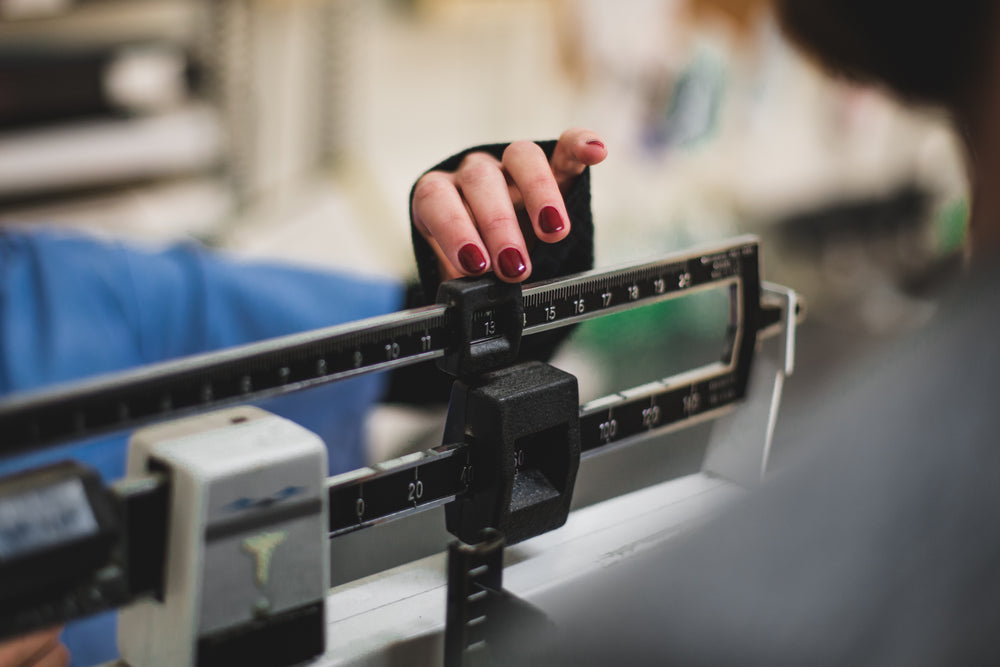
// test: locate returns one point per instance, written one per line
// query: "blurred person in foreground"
(73, 306)
(880, 544)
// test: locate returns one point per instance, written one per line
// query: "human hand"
(39, 649)
(489, 213)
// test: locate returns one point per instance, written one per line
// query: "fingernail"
(511, 263)
(595, 142)
(550, 221)
(471, 258)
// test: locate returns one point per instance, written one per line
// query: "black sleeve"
(424, 383)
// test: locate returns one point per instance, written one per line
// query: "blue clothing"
(72, 306)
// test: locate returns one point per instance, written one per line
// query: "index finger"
(577, 149)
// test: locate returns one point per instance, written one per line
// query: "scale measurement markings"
(397, 488)
(401, 487)
(241, 374)
(194, 384)
(561, 302)
(614, 419)
(369, 497)
(413, 483)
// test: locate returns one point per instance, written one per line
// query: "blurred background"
(294, 129)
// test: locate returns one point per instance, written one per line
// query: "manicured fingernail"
(511, 263)
(595, 142)
(472, 258)
(550, 221)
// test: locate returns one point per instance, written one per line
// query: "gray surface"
(880, 548)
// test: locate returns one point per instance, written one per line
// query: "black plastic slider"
(488, 317)
(522, 424)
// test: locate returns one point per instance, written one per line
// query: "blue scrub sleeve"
(72, 306)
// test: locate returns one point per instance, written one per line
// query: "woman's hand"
(489, 213)
(40, 649)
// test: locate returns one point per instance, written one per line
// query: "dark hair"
(925, 50)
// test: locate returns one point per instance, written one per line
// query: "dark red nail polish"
(511, 263)
(550, 221)
(595, 142)
(471, 258)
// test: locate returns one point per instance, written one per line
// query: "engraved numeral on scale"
(609, 429)
(518, 459)
(651, 416)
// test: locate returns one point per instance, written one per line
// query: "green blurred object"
(653, 342)
(699, 315)
(951, 225)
